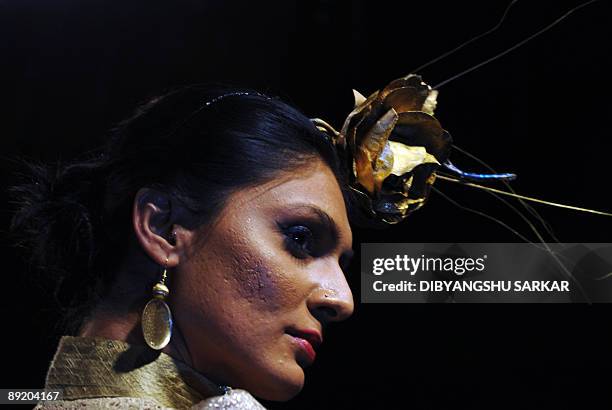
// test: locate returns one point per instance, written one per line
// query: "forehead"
(313, 185)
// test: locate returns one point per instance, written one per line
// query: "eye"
(299, 240)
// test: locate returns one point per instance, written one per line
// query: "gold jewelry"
(156, 316)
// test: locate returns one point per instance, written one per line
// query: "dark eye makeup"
(299, 241)
(306, 237)
(309, 232)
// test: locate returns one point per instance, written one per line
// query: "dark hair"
(75, 218)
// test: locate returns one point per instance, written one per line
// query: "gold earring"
(156, 316)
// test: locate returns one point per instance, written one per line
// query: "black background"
(72, 69)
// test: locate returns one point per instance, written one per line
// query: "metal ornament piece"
(394, 144)
(156, 318)
(408, 158)
(157, 323)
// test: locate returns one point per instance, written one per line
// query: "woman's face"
(255, 290)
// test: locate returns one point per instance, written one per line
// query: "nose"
(332, 301)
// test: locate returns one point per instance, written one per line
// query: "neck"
(118, 316)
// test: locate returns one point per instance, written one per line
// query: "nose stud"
(328, 293)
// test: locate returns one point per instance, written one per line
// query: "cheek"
(244, 276)
(238, 297)
(264, 279)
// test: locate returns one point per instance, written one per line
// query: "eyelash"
(299, 240)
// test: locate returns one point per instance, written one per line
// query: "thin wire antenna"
(514, 47)
(526, 220)
(545, 248)
(527, 198)
(475, 38)
(487, 216)
(525, 205)
(519, 213)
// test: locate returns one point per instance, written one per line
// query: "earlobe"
(153, 226)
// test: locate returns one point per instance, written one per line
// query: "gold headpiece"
(393, 144)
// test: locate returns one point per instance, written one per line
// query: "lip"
(307, 340)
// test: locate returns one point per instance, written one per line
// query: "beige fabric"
(100, 373)
(127, 403)
(233, 400)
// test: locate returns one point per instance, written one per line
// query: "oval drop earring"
(156, 317)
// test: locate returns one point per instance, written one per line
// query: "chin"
(283, 387)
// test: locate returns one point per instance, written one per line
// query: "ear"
(153, 218)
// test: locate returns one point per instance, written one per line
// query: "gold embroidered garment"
(100, 373)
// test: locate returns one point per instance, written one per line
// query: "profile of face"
(252, 292)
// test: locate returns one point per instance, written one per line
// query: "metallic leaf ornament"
(393, 144)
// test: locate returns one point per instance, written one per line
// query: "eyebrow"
(331, 225)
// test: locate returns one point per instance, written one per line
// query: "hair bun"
(57, 213)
